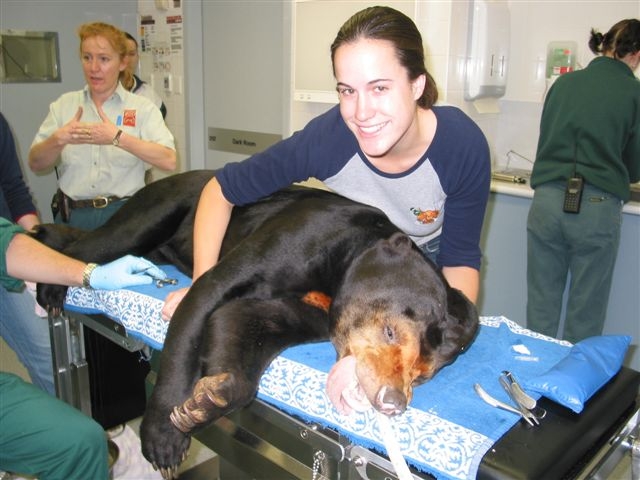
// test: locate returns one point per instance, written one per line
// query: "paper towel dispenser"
(487, 49)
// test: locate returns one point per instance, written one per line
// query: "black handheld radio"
(573, 192)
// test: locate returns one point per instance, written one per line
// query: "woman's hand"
(343, 389)
(74, 131)
(98, 133)
(103, 133)
(171, 302)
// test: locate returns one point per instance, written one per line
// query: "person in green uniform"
(40, 435)
(590, 131)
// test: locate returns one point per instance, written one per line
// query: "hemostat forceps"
(494, 402)
(523, 399)
(524, 411)
(161, 282)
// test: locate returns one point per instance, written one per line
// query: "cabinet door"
(243, 54)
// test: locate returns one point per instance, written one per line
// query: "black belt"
(97, 202)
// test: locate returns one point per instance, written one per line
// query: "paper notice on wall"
(147, 33)
(175, 32)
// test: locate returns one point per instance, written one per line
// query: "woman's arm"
(43, 155)
(210, 225)
(209, 228)
(149, 152)
(465, 279)
(27, 259)
(28, 221)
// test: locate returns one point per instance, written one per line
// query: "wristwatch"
(86, 274)
(116, 139)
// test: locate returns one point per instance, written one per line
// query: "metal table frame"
(70, 368)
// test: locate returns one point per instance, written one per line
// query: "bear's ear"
(398, 243)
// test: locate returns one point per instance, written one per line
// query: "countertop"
(524, 190)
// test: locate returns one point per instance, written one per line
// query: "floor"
(623, 471)
(201, 464)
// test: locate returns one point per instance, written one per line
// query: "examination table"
(292, 431)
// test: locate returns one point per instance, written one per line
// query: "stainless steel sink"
(512, 175)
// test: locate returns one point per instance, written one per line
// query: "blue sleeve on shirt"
(462, 160)
(15, 197)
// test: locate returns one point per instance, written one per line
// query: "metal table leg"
(70, 368)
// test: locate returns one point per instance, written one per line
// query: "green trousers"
(580, 247)
(44, 437)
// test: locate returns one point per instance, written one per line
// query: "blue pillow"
(589, 365)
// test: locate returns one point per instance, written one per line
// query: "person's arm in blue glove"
(125, 272)
(28, 259)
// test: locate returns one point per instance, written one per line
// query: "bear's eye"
(389, 334)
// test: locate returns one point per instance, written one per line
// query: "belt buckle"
(100, 202)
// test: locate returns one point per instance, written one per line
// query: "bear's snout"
(390, 401)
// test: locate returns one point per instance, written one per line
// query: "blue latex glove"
(127, 271)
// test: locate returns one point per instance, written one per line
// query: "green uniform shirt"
(7, 231)
(592, 116)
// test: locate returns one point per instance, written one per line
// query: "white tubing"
(393, 448)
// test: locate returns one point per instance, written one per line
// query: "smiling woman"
(387, 144)
(103, 137)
